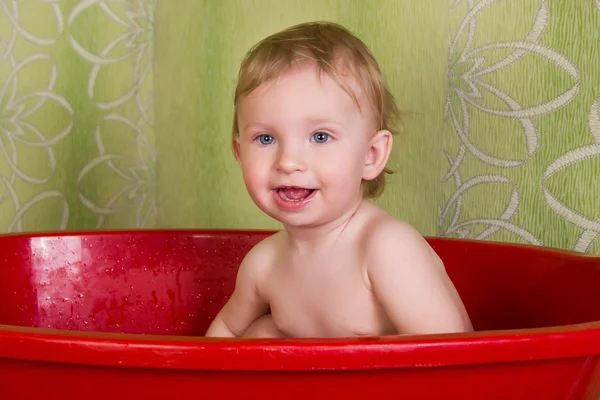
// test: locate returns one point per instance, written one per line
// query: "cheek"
(341, 169)
(251, 171)
(350, 158)
(254, 165)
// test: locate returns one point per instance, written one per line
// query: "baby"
(312, 133)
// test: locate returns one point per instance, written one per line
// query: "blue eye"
(265, 139)
(321, 137)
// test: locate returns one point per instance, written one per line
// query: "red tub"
(120, 315)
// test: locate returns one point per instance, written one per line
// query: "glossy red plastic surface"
(120, 315)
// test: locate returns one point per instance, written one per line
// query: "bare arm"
(246, 304)
(410, 282)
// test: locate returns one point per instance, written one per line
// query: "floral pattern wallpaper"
(523, 113)
(119, 85)
(76, 115)
(117, 113)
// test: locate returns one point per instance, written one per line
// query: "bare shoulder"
(388, 237)
(260, 258)
(265, 249)
(409, 279)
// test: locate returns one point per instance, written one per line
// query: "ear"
(380, 147)
(236, 149)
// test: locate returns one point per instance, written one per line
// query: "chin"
(290, 219)
(304, 221)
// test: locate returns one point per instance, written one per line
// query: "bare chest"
(325, 298)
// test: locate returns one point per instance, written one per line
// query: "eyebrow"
(253, 124)
(326, 121)
(318, 121)
(309, 121)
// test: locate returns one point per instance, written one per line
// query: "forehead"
(304, 90)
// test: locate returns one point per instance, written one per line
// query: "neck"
(310, 238)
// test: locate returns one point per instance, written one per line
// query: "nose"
(290, 159)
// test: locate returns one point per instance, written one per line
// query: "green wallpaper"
(117, 114)
(204, 41)
(76, 115)
(521, 137)
(502, 140)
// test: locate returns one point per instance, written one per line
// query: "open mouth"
(295, 193)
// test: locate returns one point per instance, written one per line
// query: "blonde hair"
(326, 44)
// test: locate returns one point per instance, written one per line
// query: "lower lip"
(293, 205)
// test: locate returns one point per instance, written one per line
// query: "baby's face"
(302, 147)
